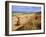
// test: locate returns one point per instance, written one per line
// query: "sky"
(26, 8)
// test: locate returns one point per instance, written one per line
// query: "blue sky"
(26, 8)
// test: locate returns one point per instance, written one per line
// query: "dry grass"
(26, 22)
